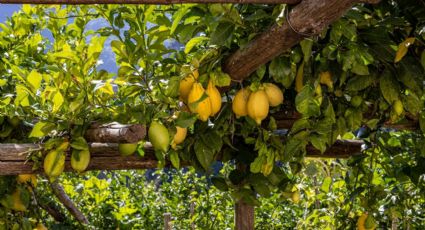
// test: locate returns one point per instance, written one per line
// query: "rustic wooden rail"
(157, 2)
(105, 156)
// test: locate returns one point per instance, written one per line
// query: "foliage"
(364, 72)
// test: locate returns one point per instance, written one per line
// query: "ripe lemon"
(240, 102)
(27, 178)
(54, 163)
(258, 106)
(17, 205)
(202, 108)
(126, 149)
(179, 136)
(186, 85)
(361, 221)
(296, 197)
(398, 107)
(274, 94)
(80, 160)
(40, 226)
(326, 79)
(215, 98)
(159, 136)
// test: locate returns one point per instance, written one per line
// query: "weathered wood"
(157, 2)
(68, 203)
(244, 216)
(167, 221)
(115, 133)
(340, 149)
(308, 18)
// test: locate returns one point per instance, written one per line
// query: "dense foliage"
(362, 74)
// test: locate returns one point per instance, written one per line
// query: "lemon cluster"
(205, 103)
(256, 104)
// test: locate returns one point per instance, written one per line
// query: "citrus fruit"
(274, 94)
(159, 136)
(239, 102)
(198, 106)
(80, 160)
(258, 106)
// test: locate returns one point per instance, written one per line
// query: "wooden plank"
(156, 2)
(115, 133)
(244, 216)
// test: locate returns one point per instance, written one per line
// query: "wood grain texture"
(308, 17)
(244, 216)
(115, 133)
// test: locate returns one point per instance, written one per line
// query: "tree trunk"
(244, 216)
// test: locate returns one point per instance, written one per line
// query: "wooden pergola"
(305, 18)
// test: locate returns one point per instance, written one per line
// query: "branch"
(53, 211)
(157, 2)
(309, 17)
(67, 202)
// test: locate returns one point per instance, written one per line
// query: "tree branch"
(67, 202)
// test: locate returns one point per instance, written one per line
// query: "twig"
(68, 203)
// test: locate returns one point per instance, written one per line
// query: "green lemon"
(159, 136)
(356, 101)
(80, 160)
(127, 149)
(398, 107)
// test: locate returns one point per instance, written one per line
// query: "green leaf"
(193, 42)
(177, 17)
(57, 102)
(326, 184)
(360, 68)
(34, 80)
(220, 183)
(306, 103)
(185, 119)
(390, 88)
(282, 71)
(306, 47)
(204, 154)
(319, 142)
(174, 158)
(222, 33)
(422, 121)
(359, 82)
(173, 87)
(22, 94)
(3, 82)
(255, 166)
(79, 143)
(41, 129)
(221, 79)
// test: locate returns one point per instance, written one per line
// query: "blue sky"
(107, 56)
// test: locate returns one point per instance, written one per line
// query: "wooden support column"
(244, 216)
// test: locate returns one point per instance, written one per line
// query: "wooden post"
(192, 212)
(244, 216)
(167, 221)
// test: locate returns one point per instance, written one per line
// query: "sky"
(107, 56)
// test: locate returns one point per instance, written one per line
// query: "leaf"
(222, 33)
(185, 119)
(360, 68)
(306, 47)
(306, 103)
(326, 184)
(174, 158)
(403, 48)
(34, 80)
(178, 16)
(318, 142)
(22, 94)
(422, 122)
(57, 102)
(193, 42)
(255, 166)
(220, 183)
(359, 82)
(41, 129)
(390, 88)
(281, 70)
(79, 143)
(204, 154)
(173, 87)
(423, 59)
(221, 79)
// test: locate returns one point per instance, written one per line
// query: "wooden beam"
(105, 156)
(156, 2)
(244, 216)
(115, 133)
(308, 18)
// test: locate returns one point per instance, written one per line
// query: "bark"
(167, 221)
(308, 18)
(54, 212)
(157, 2)
(244, 216)
(68, 203)
(115, 133)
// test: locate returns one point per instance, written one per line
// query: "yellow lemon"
(326, 79)
(258, 106)
(40, 226)
(398, 107)
(215, 98)
(27, 178)
(296, 197)
(126, 149)
(159, 136)
(186, 85)
(18, 205)
(274, 94)
(179, 136)
(198, 106)
(80, 160)
(54, 163)
(361, 221)
(240, 101)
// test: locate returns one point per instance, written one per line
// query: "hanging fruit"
(239, 104)
(159, 136)
(274, 94)
(198, 106)
(258, 106)
(215, 98)
(179, 136)
(186, 85)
